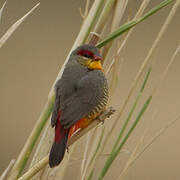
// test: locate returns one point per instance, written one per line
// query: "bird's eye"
(87, 55)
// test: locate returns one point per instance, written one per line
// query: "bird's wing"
(88, 94)
(56, 103)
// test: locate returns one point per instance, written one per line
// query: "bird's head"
(88, 56)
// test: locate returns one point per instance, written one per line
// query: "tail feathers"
(57, 151)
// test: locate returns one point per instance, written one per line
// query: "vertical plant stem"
(81, 38)
(103, 17)
(167, 69)
(7, 170)
(132, 23)
(85, 155)
(138, 14)
(1, 10)
(94, 141)
(27, 149)
(118, 14)
(94, 155)
(59, 172)
(86, 28)
(102, 21)
(9, 32)
(145, 62)
(157, 135)
(25, 153)
(131, 111)
(162, 130)
(42, 163)
(119, 10)
(114, 154)
(131, 157)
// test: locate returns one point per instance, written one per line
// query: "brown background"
(32, 57)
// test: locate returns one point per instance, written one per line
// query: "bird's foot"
(105, 114)
(67, 149)
(100, 119)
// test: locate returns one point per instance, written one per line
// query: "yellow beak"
(95, 65)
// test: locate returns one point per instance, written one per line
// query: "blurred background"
(32, 57)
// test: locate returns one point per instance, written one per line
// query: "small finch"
(81, 95)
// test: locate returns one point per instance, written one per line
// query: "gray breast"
(72, 73)
(102, 99)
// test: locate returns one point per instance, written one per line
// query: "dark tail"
(59, 146)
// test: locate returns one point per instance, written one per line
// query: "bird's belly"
(84, 122)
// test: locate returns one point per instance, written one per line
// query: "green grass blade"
(113, 155)
(44, 119)
(89, 167)
(145, 80)
(131, 111)
(92, 24)
(98, 146)
(132, 23)
(126, 122)
(91, 175)
(27, 149)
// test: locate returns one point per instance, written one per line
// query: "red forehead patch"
(85, 53)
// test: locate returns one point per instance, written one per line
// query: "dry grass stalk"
(103, 17)
(63, 67)
(117, 66)
(42, 149)
(84, 15)
(59, 172)
(118, 14)
(93, 138)
(1, 10)
(171, 62)
(7, 170)
(85, 29)
(9, 32)
(94, 152)
(87, 8)
(135, 155)
(116, 57)
(102, 20)
(94, 38)
(119, 10)
(167, 69)
(42, 163)
(144, 64)
(100, 25)
(96, 133)
(131, 158)
(93, 144)
(84, 32)
(138, 14)
(157, 135)
(85, 154)
(25, 151)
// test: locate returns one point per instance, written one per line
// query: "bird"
(81, 95)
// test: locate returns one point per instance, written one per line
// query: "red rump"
(87, 53)
(60, 132)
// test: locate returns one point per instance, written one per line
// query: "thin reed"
(101, 27)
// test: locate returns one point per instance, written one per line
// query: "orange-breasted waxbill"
(81, 95)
